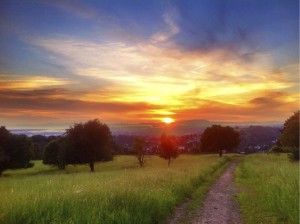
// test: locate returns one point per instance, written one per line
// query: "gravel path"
(219, 206)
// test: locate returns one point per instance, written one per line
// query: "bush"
(294, 154)
(276, 149)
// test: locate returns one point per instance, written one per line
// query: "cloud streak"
(30, 82)
(146, 68)
(172, 28)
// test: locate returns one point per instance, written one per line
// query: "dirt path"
(219, 206)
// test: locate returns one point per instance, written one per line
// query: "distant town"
(254, 138)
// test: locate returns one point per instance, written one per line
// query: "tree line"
(92, 141)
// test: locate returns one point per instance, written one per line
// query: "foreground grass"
(269, 189)
(118, 192)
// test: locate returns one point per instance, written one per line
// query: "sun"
(168, 120)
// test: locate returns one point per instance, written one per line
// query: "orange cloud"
(266, 107)
(54, 105)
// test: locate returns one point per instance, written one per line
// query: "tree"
(139, 149)
(40, 142)
(15, 151)
(290, 136)
(88, 143)
(168, 149)
(290, 133)
(218, 138)
(54, 153)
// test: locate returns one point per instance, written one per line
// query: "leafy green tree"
(139, 149)
(218, 138)
(168, 149)
(15, 151)
(54, 153)
(88, 142)
(290, 135)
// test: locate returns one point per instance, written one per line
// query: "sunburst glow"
(168, 120)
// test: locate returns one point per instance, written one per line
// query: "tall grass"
(269, 189)
(118, 192)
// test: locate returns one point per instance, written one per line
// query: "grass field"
(269, 189)
(118, 192)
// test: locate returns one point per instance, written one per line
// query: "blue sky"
(148, 60)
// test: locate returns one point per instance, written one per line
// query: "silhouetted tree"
(15, 151)
(139, 149)
(290, 136)
(218, 138)
(39, 144)
(168, 149)
(54, 153)
(88, 143)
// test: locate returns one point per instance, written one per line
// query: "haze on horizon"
(144, 61)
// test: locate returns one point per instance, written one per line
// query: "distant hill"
(30, 132)
(258, 138)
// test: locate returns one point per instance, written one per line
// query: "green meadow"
(117, 192)
(269, 189)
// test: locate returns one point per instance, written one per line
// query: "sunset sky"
(142, 61)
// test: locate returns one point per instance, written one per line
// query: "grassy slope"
(118, 192)
(269, 189)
